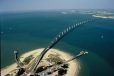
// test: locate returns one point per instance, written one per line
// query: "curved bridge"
(32, 69)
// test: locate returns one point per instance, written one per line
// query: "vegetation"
(20, 71)
(54, 59)
(28, 59)
(65, 66)
(62, 71)
(7, 75)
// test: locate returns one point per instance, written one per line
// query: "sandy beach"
(73, 65)
(105, 17)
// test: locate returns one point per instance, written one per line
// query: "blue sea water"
(27, 31)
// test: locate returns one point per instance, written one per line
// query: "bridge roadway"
(33, 67)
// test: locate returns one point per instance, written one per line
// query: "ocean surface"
(26, 31)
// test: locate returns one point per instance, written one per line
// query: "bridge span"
(32, 69)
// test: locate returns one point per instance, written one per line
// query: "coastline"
(72, 70)
(105, 17)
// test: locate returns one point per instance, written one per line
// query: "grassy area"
(54, 59)
(28, 59)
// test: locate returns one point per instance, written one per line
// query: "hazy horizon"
(30, 5)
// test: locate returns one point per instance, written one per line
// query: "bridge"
(33, 67)
(19, 63)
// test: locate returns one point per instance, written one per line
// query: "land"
(49, 65)
(103, 16)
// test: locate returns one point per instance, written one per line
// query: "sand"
(105, 17)
(73, 65)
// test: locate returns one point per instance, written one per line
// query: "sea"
(30, 30)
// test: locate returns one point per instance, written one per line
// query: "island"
(54, 63)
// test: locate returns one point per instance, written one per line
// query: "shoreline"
(72, 70)
(105, 17)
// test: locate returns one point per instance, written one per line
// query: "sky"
(26, 5)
